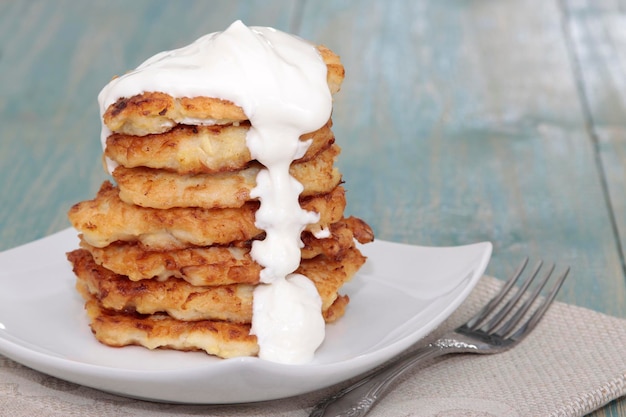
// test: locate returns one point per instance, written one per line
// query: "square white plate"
(401, 294)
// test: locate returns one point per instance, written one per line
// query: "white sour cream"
(279, 80)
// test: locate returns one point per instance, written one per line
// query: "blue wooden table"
(460, 121)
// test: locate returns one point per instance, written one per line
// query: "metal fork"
(501, 324)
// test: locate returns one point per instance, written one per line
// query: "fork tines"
(505, 311)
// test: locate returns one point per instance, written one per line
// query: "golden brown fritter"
(337, 310)
(199, 149)
(362, 231)
(211, 265)
(155, 112)
(216, 265)
(107, 219)
(219, 338)
(342, 236)
(187, 302)
(161, 189)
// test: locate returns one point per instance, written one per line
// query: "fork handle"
(358, 399)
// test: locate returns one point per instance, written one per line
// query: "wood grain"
(597, 35)
(598, 38)
(479, 136)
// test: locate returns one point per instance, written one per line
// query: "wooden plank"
(597, 34)
(599, 44)
(470, 112)
(55, 59)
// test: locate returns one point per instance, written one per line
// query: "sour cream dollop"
(279, 80)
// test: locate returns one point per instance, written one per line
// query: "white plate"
(400, 295)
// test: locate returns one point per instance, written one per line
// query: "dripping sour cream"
(279, 80)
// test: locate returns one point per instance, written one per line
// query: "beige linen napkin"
(573, 363)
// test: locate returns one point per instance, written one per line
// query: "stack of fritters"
(165, 254)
